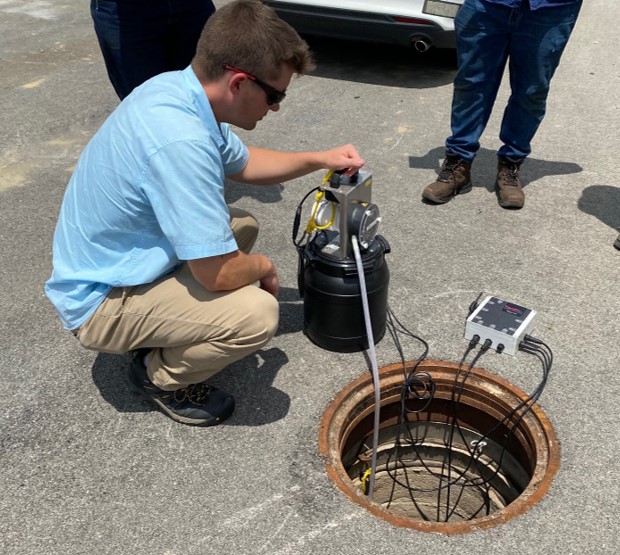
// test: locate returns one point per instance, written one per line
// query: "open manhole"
(461, 461)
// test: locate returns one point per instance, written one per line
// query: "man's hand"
(345, 158)
(271, 283)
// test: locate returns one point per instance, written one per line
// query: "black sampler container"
(333, 310)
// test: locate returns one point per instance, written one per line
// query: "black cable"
(395, 327)
(454, 424)
(297, 219)
(535, 347)
(412, 442)
(402, 420)
(417, 392)
(474, 305)
(545, 355)
(416, 385)
(300, 244)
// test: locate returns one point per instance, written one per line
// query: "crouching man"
(148, 258)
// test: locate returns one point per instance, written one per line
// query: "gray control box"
(502, 322)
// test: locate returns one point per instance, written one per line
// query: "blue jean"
(143, 38)
(488, 35)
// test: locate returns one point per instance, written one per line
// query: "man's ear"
(235, 82)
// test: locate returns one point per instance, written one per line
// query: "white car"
(418, 23)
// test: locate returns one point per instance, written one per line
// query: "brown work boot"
(508, 187)
(454, 179)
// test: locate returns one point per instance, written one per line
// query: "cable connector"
(474, 305)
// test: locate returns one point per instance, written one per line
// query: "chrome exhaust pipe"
(420, 44)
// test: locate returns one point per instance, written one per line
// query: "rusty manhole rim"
(545, 442)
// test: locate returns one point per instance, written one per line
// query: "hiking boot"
(454, 179)
(197, 404)
(508, 186)
(617, 242)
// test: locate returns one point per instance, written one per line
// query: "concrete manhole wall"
(427, 482)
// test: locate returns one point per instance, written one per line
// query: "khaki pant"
(193, 333)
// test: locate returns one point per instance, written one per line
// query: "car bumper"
(361, 26)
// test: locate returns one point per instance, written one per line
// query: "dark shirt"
(534, 4)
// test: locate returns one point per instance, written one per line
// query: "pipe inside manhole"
(448, 467)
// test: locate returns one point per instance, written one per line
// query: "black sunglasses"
(274, 96)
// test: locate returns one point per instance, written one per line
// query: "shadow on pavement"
(603, 202)
(248, 380)
(291, 311)
(234, 191)
(485, 167)
(379, 64)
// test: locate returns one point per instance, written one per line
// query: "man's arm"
(233, 270)
(268, 167)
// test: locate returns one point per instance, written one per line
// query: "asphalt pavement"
(86, 468)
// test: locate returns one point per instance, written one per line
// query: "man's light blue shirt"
(147, 192)
(534, 4)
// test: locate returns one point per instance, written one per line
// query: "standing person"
(143, 38)
(148, 257)
(531, 36)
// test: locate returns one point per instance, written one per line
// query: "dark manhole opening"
(438, 470)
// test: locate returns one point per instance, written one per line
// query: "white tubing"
(373, 363)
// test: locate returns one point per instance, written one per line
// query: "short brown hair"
(249, 35)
